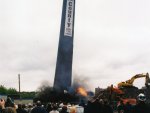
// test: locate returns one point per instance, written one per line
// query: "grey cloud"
(111, 40)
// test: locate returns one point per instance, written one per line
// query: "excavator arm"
(129, 83)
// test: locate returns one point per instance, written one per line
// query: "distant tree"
(12, 91)
(3, 90)
(27, 95)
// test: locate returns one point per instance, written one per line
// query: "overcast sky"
(111, 41)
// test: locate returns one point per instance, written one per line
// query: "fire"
(82, 91)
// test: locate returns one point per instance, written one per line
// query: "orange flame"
(82, 91)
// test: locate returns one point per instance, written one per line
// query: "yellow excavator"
(129, 83)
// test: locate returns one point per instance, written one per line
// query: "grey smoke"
(43, 85)
(81, 81)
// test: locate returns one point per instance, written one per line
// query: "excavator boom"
(129, 83)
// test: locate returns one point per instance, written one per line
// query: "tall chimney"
(63, 73)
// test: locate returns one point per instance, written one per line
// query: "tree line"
(13, 92)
